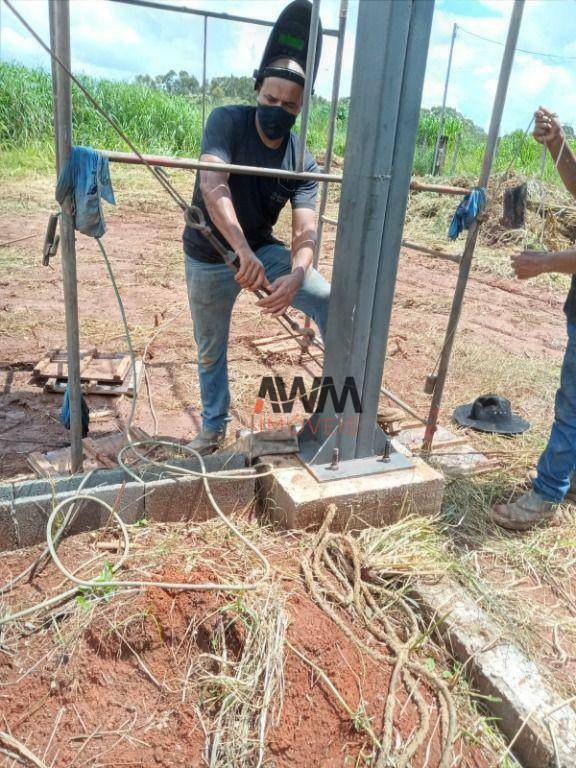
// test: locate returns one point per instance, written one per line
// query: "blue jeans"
(212, 291)
(558, 462)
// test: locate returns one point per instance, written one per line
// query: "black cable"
(520, 50)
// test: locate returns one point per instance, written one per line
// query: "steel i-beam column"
(389, 64)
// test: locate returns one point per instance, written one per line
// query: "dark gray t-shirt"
(230, 134)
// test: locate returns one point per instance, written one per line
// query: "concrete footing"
(25, 506)
(294, 499)
(532, 715)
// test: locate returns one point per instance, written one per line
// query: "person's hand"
(530, 264)
(250, 274)
(547, 128)
(282, 292)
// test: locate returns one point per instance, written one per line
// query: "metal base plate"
(371, 465)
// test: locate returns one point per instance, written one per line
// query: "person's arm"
(533, 263)
(548, 131)
(303, 239)
(528, 264)
(218, 201)
(283, 289)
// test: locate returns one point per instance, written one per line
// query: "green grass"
(157, 122)
(165, 123)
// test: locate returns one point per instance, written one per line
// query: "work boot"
(524, 513)
(207, 441)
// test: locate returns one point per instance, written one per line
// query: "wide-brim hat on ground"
(289, 40)
(490, 413)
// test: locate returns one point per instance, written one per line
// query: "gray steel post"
(204, 47)
(467, 255)
(310, 59)
(331, 126)
(393, 224)
(389, 65)
(443, 109)
(59, 15)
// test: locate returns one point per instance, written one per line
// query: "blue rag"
(65, 412)
(467, 211)
(84, 180)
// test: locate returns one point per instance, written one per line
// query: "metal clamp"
(51, 240)
(195, 218)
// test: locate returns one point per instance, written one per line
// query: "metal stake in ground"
(59, 13)
(466, 261)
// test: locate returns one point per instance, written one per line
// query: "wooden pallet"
(126, 387)
(99, 453)
(102, 367)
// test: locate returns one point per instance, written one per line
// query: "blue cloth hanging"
(467, 212)
(84, 180)
(65, 412)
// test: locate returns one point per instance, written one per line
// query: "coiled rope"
(333, 575)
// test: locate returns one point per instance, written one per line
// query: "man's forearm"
(303, 251)
(563, 261)
(566, 163)
(218, 201)
(302, 259)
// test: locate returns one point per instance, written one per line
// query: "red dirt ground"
(501, 318)
(93, 701)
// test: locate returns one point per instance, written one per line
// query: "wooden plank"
(107, 367)
(98, 452)
(41, 364)
(441, 189)
(58, 386)
(282, 347)
(57, 463)
(452, 453)
(279, 345)
(40, 464)
(274, 339)
(55, 364)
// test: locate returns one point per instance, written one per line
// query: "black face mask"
(274, 121)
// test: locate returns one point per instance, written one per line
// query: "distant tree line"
(218, 89)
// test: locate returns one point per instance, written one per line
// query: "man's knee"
(211, 351)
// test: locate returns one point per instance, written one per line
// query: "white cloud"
(15, 43)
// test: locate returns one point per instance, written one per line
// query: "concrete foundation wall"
(26, 506)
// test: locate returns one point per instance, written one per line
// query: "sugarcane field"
(287, 384)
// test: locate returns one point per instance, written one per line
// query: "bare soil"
(501, 317)
(108, 684)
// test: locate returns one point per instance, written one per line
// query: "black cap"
(289, 40)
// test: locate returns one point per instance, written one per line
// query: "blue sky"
(119, 41)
